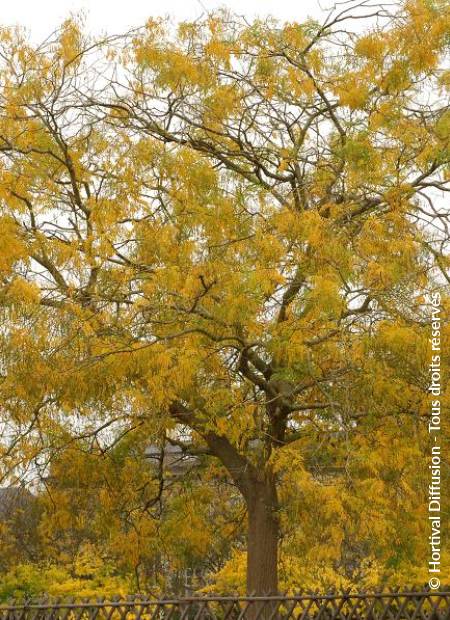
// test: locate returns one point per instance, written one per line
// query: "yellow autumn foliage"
(222, 257)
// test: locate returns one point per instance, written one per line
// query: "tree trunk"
(262, 542)
(258, 487)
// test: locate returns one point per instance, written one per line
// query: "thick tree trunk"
(258, 487)
(262, 542)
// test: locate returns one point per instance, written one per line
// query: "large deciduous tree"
(228, 229)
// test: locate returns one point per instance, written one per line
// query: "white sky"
(41, 17)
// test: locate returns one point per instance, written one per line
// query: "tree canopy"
(222, 236)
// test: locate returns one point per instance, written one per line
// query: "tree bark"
(262, 539)
(258, 488)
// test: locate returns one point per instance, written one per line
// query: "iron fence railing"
(426, 605)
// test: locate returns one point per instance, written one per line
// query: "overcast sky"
(41, 17)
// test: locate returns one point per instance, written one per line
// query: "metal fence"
(376, 606)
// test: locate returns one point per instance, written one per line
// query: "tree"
(19, 517)
(157, 530)
(223, 236)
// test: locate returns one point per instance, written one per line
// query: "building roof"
(173, 456)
